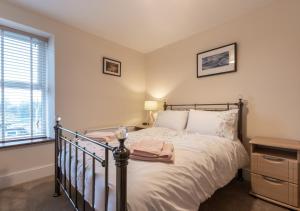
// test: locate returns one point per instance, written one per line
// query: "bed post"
(240, 133)
(165, 105)
(56, 151)
(240, 120)
(121, 155)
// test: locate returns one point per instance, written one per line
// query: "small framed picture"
(111, 67)
(217, 61)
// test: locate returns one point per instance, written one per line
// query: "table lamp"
(150, 105)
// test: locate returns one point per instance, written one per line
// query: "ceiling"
(143, 25)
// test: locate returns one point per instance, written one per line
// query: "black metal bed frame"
(121, 155)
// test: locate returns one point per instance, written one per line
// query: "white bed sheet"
(202, 165)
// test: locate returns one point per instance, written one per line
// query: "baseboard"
(26, 175)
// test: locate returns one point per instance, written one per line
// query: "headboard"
(214, 107)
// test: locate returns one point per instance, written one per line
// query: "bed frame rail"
(66, 139)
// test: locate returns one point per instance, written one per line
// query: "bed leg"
(121, 156)
(56, 151)
(240, 175)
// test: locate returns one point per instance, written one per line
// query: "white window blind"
(23, 91)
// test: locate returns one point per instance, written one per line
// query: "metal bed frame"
(120, 154)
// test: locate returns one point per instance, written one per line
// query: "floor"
(37, 196)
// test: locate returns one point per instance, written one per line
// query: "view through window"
(23, 91)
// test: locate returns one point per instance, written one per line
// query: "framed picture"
(217, 61)
(111, 67)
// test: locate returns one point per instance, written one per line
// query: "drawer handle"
(273, 158)
(272, 180)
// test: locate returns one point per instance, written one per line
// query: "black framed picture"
(111, 67)
(217, 61)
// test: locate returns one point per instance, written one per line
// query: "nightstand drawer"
(276, 167)
(275, 189)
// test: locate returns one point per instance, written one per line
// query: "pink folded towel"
(168, 151)
(101, 136)
(159, 159)
(153, 150)
(147, 148)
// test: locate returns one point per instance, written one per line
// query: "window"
(23, 90)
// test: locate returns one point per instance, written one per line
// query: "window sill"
(25, 142)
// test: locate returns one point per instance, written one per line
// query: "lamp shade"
(150, 105)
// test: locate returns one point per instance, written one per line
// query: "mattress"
(202, 165)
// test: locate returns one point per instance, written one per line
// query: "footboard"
(64, 141)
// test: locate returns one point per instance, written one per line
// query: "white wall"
(85, 98)
(25, 163)
(268, 75)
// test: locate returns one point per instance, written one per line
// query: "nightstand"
(141, 126)
(275, 171)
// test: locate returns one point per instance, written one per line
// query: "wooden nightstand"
(275, 171)
(141, 126)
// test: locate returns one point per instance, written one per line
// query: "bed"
(86, 170)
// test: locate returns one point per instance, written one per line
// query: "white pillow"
(217, 123)
(172, 119)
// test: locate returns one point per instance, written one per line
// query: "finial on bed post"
(165, 105)
(241, 101)
(121, 155)
(57, 131)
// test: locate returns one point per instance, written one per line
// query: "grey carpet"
(37, 196)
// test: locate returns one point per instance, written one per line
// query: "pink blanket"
(152, 150)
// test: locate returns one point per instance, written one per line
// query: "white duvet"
(202, 165)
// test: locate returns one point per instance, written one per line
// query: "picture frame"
(111, 67)
(217, 61)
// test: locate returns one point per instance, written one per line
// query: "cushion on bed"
(172, 119)
(217, 123)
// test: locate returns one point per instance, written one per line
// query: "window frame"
(39, 86)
